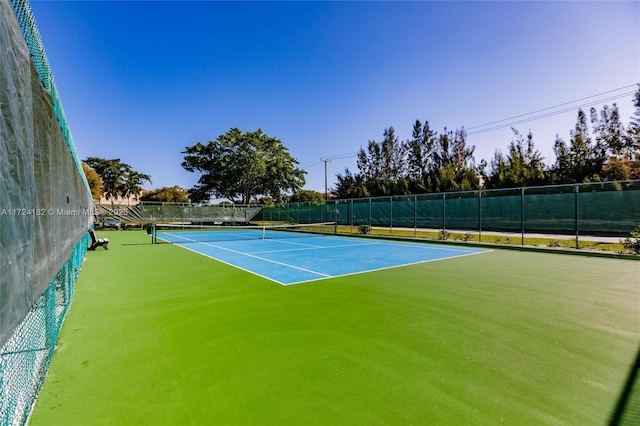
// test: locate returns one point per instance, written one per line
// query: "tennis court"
(160, 335)
(287, 257)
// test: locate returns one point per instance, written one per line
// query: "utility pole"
(326, 193)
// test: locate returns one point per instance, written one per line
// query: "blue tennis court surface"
(308, 258)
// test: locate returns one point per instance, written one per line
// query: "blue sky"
(142, 80)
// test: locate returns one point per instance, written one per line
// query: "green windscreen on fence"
(609, 208)
(154, 212)
(45, 213)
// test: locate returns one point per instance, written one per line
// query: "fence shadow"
(627, 410)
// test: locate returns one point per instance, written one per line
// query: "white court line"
(258, 257)
(326, 276)
(387, 267)
(316, 248)
(233, 265)
(378, 242)
(442, 247)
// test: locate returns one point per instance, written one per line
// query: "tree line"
(255, 167)
(432, 162)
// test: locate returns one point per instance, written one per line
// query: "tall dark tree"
(382, 165)
(581, 149)
(608, 131)
(581, 160)
(632, 145)
(632, 139)
(454, 163)
(561, 171)
(242, 166)
(420, 150)
(350, 185)
(393, 155)
(523, 165)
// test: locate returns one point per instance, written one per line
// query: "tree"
(560, 172)
(608, 132)
(95, 183)
(167, 194)
(382, 165)
(454, 164)
(384, 161)
(307, 195)
(523, 165)
(586, 161)
(632, 139)
(617, 169)
(350, 185)
(632, 145)
(118, 178)
(133, 184)
(420, 150)
(580, 161)
(242, 165)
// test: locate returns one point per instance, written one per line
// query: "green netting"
(610, 209)
(45, 212)
(550, 210)
(461, 210)
(26, 356)
(606, 207)
(302, 212)
(501, 210)
(178, 212)
(430, 211)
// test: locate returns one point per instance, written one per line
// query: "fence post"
(522, 214)
(390, 216)
(479, 216)
(444, 214)
(576, 192)
(415, 216)
(351, 214)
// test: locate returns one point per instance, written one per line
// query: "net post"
(153, 233)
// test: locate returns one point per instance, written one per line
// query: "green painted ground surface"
(158, 335)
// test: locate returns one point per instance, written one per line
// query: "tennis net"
(171, 233)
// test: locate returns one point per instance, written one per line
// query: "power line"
(329, 158)
(549, 114)
(553, 107)
(326, 159)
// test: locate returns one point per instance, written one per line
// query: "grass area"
(504, 239)
(473, 237)
(160, 335)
